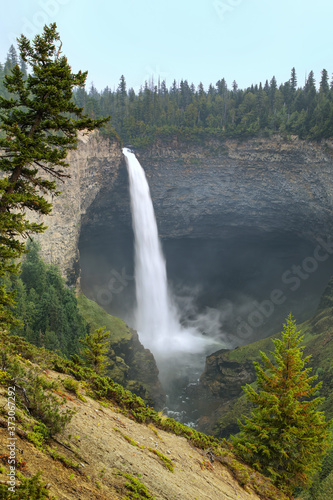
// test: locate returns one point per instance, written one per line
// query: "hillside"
(105, 452)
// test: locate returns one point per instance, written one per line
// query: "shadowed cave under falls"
(226, 291)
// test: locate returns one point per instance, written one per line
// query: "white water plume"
(157, 320)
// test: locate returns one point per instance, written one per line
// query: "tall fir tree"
(293, 80)
(39, 124)
(286, 437)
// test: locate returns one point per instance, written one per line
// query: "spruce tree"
(286, 436)
(38, 125)
(96, 346)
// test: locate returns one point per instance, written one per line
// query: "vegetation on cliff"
(47, 310)
(193, 113)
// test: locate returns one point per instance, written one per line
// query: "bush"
(32, 489)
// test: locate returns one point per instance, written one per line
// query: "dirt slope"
(104, 442)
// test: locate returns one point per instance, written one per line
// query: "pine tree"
(324, 85)
(285, 437)
(96, 346)
(293, 80)
(39, 123)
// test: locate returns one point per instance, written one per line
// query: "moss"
(165, 460)
(67, 462)
(154, 431)
(136, 489)
(250, 352)
(97, 317)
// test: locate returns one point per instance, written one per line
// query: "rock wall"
(94, 164)
(269, 184)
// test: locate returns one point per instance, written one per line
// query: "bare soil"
(104, 442)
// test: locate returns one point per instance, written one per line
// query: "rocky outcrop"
(134, 367)
(216, 401)
(224, 378)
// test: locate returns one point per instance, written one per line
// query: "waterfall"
(156, 316)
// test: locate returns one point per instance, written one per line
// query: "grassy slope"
(97, 317)
(74, 464)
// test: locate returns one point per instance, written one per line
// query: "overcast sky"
(199, 40)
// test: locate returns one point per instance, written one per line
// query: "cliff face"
(263, 184)
(94, 164)
(212, 191)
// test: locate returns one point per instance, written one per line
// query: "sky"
(248, 41)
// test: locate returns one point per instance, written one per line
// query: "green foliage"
(136, 489)
(67, 462)
(194, 115)
(96, 346)
(96, 316)
(34, 393)
(70, 384)
(47, 309)
(40, 435)
(39, 122)
(285, 437)
(166, 461)
(30, 488)
(44, 405)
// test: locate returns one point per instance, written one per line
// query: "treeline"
(193, 113)
(46, 308)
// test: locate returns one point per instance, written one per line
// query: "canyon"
(245, 228)
(236, 219)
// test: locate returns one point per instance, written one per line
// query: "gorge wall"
(95, 163)
(238, 222)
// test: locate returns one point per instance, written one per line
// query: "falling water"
(157, 320)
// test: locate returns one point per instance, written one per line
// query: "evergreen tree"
(96, 346)
(293, 80)
(12, 59)
(324, 85)
(285, 437)
(38, 128)
(46, 307)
